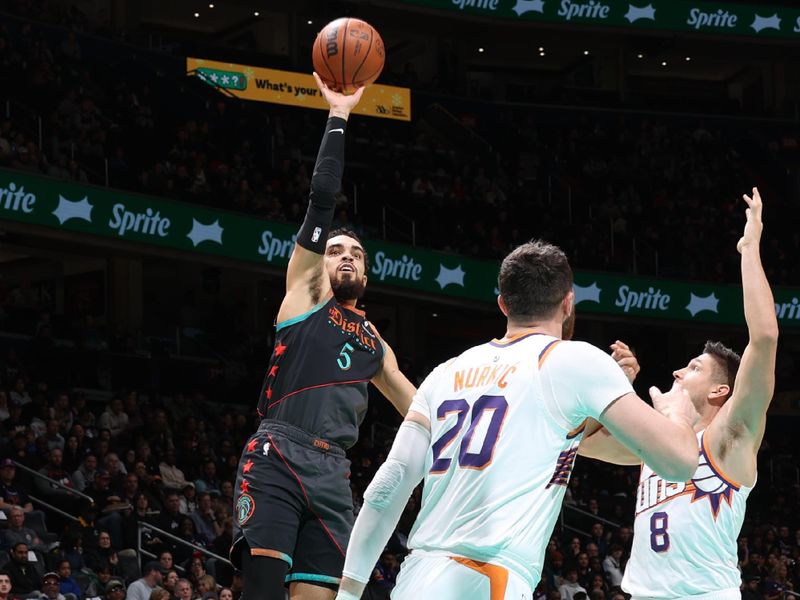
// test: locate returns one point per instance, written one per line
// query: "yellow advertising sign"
(295, 89)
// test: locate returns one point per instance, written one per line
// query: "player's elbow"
(765, 336)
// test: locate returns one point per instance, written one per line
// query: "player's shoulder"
(576, 353)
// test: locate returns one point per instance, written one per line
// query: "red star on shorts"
(273, 371)
(280, 349)
(252, 445)
(245, 486)
(247, 466)
(269, 393)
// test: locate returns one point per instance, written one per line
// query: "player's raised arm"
(306, 280)
(745, 413)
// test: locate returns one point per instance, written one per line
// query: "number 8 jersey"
(506, 421)
(684, 539)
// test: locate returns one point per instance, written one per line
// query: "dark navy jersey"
(319, 371)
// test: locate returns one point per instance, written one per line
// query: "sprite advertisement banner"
(295, 89)
(756, 20)
(66, 206)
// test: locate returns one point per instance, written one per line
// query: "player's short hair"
(534, 278)
(352, 234)
(726, 362)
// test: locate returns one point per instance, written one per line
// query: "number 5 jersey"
(506, 421)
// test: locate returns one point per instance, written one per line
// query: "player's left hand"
(754, 226)
(341, 104)
(626, 359)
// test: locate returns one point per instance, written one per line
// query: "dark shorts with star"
(293, 502)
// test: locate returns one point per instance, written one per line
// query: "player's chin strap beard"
(348, 291)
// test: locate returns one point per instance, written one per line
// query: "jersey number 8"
(496, 405)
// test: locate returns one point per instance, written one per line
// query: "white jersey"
(684, 540)
(506, 422)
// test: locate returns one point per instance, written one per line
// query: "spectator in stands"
(183, 590)
(226, 594)
(53, 469)
(207, 585)
(205, 520)
(612, 566)
(19, 395)
(11, 493)
(5, 585)
(570, 587)
(130, 489)
(66, 582)
(143, 587)
(83, 477)
(104, 554)
(116, 470)
(107, 504)
(188, 498)
(114, 418)
(130, 525)
(54, 438)
(17, 532)
(159, 594)
(172, 477)
(600, 538)
(187, 533)
(751, 591)
(197, 570)
(171, 517)
(115, 590)
(208, 481)
(165, 560)
(50, 587)
(170, 579)
(73, 455)
(24, 578)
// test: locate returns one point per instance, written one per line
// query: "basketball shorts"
(456, 578)
(293, 502)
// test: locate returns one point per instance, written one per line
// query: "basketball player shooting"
(494, 432)
(294, 510)
(685, 531)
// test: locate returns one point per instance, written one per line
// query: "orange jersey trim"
(543, 356)
(498, 576)
(732, 482)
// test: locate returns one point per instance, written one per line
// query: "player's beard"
(568, 326)
(348, 289)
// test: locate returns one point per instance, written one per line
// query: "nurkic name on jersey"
(505, 428)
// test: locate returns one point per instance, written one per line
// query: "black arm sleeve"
(325, 183)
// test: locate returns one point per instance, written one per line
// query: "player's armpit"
(601, 445)
(667, 446)
(392, 383)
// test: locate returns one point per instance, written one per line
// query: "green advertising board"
(112, 214)
(753, 20)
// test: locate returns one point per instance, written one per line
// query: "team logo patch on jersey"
(708, 483)
(245, 507)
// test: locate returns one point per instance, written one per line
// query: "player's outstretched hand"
(626, 359)
(754, 226)
(674, 404)
(341, 104)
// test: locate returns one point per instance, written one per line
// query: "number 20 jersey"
(684, 538)
(505, 428)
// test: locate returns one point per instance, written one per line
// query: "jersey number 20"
(496, 405)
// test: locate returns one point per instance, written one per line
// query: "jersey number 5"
(495, 405)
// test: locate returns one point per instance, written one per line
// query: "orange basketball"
(348, 53)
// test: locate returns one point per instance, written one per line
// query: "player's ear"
(568, 303)
(719, 393)
(364, 279)
(502, 304)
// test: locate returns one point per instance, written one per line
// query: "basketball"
(348, 53)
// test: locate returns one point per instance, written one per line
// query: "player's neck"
(705, 417)
(551, 328)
